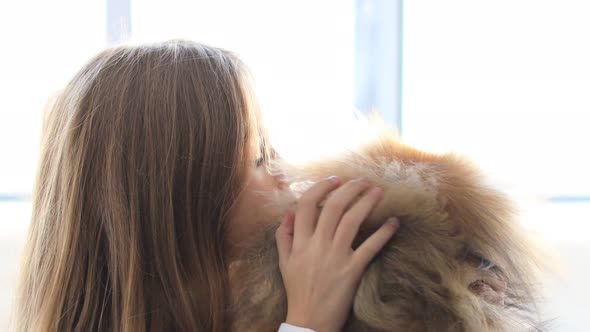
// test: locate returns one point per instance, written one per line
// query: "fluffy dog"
(458, 262)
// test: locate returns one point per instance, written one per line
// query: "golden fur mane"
(459, 261)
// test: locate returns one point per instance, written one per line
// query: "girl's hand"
(320, 270)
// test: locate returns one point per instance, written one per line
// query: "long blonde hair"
(143, 154)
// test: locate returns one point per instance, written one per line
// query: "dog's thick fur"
(457, 263)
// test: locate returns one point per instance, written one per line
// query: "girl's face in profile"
(253, 206)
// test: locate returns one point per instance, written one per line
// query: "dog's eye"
(485, 264)
(478, 261)
(259, 162)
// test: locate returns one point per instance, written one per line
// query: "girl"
(152, 158)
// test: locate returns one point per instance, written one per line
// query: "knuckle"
(358, 212)
(349, 227)
(360, 183)
(307, 200)
(366, 200)
(372, 249)
(355, 186)
(355, 267)
(372, 197)
(323, 184)
(369, 254)
(346, 221)
(335, 204)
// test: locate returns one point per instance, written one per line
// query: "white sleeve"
(292, 328)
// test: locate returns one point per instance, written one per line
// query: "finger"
(284, 238)
(354, 217)
(372, 245)
(307, 209)
(336, 205)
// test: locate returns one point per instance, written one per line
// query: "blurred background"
(506, 82)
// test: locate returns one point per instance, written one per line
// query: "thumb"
(284, 237)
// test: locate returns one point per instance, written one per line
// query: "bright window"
(300, 52)
(507, 83)
(43, 44)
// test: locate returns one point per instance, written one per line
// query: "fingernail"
(364, 179)
(393, 222)
(334, 178)
(376, 191)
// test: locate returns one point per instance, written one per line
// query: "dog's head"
(458, 262)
